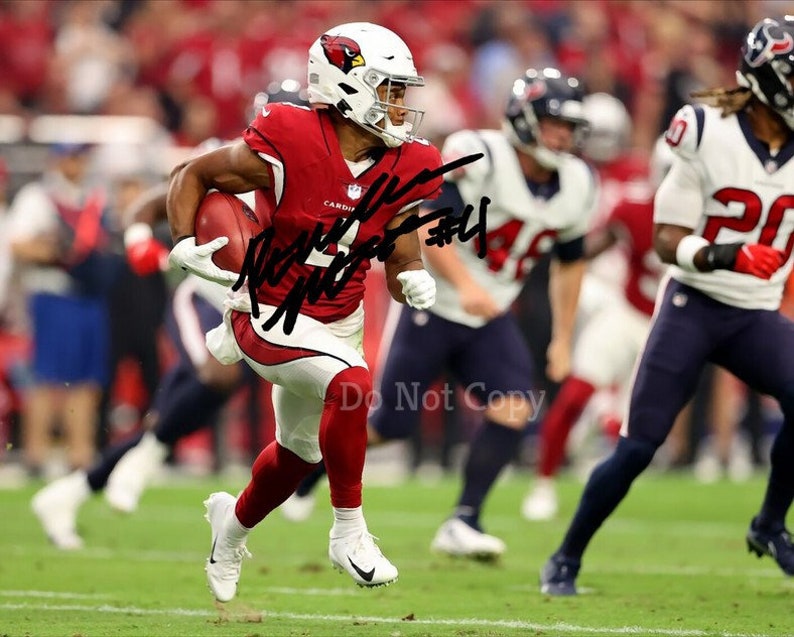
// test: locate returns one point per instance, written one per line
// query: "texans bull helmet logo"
(534, 90)
(342, 52)
(766, 42)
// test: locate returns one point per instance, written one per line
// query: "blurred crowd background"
(141, 83)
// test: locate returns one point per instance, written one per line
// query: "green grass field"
(672, 561)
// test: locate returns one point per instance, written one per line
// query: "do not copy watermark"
(409, 397)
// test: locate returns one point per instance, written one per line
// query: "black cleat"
(558, 576)
(775, 544)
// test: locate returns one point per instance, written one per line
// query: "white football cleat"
(298, 508)
(358, 554)
(226, 557)
(541, 502)
(56, 507)
(133, 472)
(707, 468)
(458, 539)
(740, 462)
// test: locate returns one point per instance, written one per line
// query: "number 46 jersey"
(524, 221)
(726, 185)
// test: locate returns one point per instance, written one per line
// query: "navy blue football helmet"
(768, 63)
(543, 93)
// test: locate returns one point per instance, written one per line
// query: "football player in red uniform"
(343, 180)
(541, 199)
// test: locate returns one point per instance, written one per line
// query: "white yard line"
(558, 628)
(52, 595)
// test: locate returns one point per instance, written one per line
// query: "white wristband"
(687, 248)
(136, 233)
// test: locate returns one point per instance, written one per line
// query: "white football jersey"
(729, 188)
(521, 226)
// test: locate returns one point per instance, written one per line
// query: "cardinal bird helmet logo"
(342, 52)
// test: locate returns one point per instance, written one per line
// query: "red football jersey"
(632, 220)
(617, 180)
(312, 188)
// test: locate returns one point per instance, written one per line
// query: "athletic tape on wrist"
(687, 248)
(136, 233)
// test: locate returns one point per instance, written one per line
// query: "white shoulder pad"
(462, 144)
(685, 131)
(586, 180)
(580, 183)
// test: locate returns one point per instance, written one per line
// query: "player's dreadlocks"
(730, 100)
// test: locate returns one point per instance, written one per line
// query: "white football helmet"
(347, 64)
(610, 127)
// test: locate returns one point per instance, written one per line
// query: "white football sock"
(347, 521)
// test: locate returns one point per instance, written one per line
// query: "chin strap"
(395, 135)
(546, 158)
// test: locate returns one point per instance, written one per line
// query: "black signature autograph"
(265, 264)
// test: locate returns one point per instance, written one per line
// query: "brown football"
(221, 214)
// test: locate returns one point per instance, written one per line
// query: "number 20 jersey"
(728, 187)
(521, 225)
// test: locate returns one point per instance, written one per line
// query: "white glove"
(198, 259)
(419, 288)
